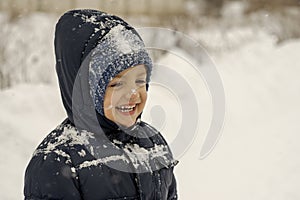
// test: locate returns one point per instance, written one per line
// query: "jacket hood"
(85, 64)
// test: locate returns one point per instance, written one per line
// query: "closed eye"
(116, 84)
(140, 81)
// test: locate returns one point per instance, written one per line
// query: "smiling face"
(126, 95)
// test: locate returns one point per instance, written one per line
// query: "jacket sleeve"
(50, 177)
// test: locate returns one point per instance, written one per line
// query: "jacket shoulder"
(50, 177)
(50, 173)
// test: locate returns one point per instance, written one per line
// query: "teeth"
(126, 108)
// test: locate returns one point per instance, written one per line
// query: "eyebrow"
(118, 76)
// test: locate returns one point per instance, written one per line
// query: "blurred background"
(255, 46)
(20, 19)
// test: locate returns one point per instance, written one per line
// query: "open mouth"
(126, 108)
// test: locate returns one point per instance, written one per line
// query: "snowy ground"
(256, 157)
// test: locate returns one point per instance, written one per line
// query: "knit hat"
(120, 49)
(91, 48)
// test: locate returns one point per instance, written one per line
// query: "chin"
(125, 119)
(126, 123)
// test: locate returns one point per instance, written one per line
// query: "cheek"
(107, 100)
(111, 98)
(143, 98)
(106, 105)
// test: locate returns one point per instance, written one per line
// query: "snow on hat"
(120, 49)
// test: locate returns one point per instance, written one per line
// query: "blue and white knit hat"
(120, 49)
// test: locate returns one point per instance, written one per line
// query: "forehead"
(132, 71)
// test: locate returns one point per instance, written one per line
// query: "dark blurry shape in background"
(198, 18)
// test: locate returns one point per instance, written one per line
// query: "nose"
(133, 90)
(133, 94)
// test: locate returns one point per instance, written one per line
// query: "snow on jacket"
(79, 160)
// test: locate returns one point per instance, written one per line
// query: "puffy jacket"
(79, 160)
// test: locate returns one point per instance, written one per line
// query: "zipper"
(158, 185)
(138, 185)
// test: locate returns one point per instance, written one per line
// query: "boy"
(102, 150)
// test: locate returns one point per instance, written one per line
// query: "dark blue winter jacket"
(79, 160)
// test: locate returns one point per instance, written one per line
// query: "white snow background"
(257, 155)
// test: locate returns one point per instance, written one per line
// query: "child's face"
(126, 95)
